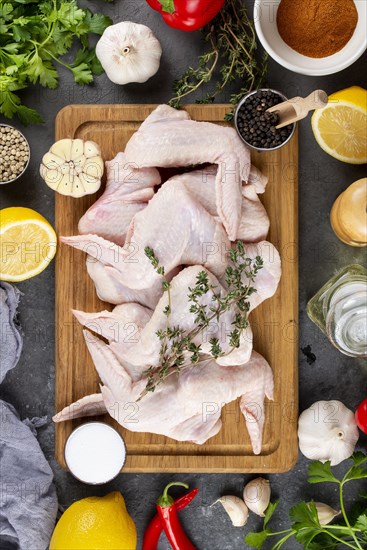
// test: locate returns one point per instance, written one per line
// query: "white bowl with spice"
(14, 154)
(317, 37)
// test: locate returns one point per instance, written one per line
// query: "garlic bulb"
(129, 52)
(325, 513)
(235, 508)
(256, 495)
(73, 167)
(327, 431)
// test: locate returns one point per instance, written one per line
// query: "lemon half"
(340, 128)
(27, 244)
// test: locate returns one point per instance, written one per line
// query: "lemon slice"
(27, 244)
(340, 128)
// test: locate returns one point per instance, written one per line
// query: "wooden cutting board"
(275, 322)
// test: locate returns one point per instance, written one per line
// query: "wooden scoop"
(297, 108)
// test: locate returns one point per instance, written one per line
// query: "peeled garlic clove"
(93, 167)
(256, 495)
(325, 513)
(327, 431)
(77, 149)
(91, 149)
(62, 149)
(235, 508)
(129, 52)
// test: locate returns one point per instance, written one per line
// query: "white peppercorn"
(14, 153)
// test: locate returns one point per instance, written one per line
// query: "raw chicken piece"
(267, 279)
(175, 226)
(257, 179)
(110, 289)
(187, 406)
(169, 138)
(128, 190)
(122, 326)
(254, 221)
(145, 351)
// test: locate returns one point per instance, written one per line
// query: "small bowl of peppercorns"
(256, 127)
(14, 153)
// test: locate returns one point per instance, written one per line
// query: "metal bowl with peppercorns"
(255, 126)
(14, 153)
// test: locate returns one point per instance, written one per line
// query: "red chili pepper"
(361, 416)
(154, 529)
(167, 512)
(187, 15)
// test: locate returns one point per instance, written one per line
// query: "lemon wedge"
(95, 523)
(340, 128)
(27, 244)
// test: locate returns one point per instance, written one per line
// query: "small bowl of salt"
(95, 453)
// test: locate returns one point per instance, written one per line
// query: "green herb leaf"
(361, 523)
(270, 511)
(230, 61)
(256, 540)
(33, 37)
(359, 468)
(305, 522)
(321, 473)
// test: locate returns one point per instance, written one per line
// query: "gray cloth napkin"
(11, 341)
(28, 501)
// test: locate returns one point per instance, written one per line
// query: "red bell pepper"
(187, 15)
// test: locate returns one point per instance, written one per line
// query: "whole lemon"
(95, 523)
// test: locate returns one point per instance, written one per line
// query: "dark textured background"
(30, 387)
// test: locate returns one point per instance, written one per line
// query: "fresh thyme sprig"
(178, 348)
(232, 45)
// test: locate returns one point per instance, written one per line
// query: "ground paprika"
(317, 28)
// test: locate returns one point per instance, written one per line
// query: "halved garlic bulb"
(73, 167)
(327, 431)
(129, 52)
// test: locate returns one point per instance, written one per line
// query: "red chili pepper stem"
(165, 499)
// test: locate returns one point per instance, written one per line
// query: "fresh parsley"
(178, 349)
(349, 532)
(34, 36)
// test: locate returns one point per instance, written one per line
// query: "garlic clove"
(77, 149)
(327, 431)
(325, 513)
(235, 508)
(78, 187)
(129, 52)
(62, 148)
(91, 149)
(79, 164)
(93, 168)
(256, 495)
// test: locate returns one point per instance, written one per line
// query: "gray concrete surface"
(30, 387)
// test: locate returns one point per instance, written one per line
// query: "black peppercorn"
(256, 126)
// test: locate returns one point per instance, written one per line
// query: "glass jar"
(340, 310)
